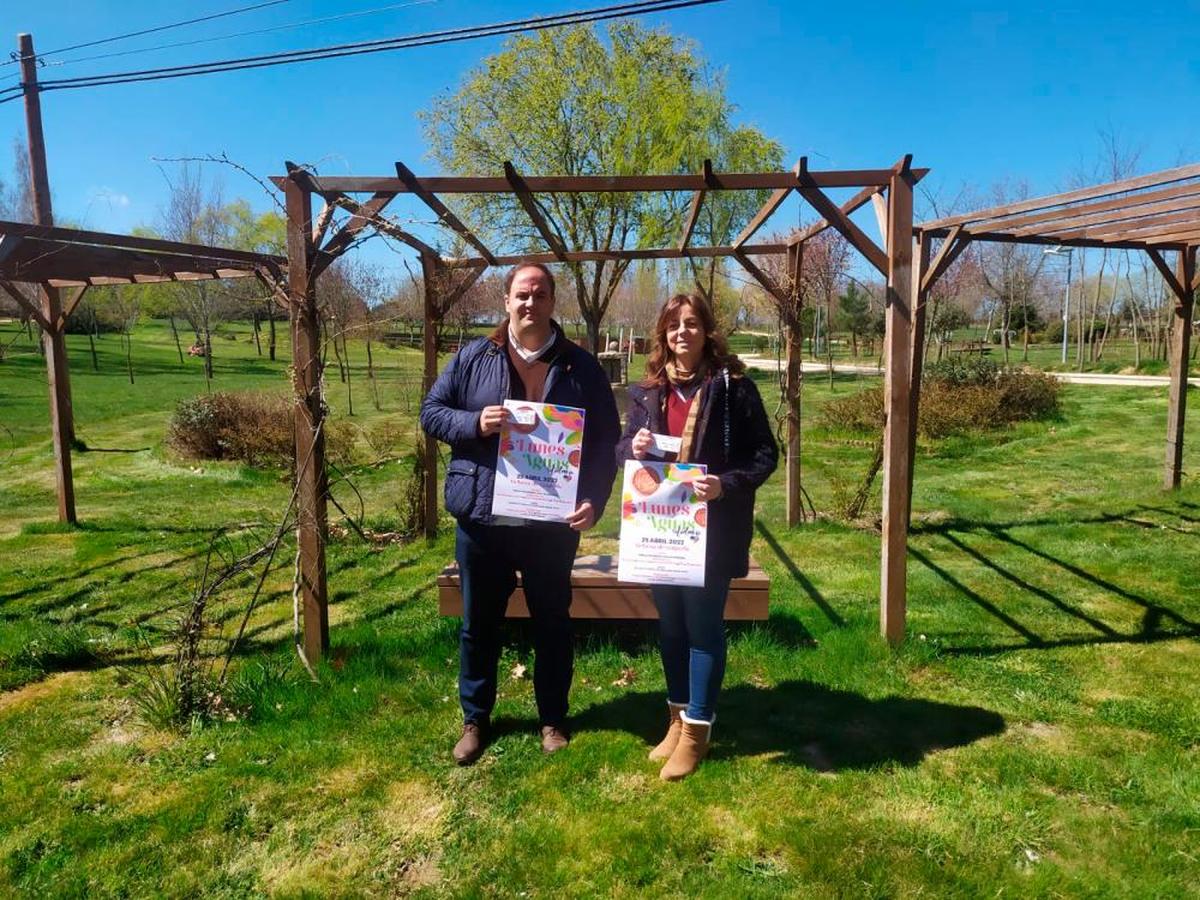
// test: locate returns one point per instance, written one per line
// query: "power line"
(237, 34)
(157, 28)
(535, 23)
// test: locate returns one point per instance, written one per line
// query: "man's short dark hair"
(512, 274)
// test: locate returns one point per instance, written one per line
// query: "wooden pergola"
(312, 249)
(50, 259)
(1157, 214)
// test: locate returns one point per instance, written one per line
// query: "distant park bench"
(596, 594)
(972, 347)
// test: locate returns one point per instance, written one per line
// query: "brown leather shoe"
(471, 745)
(554, 738)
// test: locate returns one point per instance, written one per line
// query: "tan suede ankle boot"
(694, 737)
(667, 745)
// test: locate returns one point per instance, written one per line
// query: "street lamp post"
(1058, 251)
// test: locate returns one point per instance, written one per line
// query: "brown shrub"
(953, 405)
(248, 427)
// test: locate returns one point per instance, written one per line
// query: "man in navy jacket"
(527, 358)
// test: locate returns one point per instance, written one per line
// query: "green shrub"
(860, 411)
(248, 427)
(957, 396)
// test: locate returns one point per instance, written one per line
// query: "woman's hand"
(583, 518)
(708, 487)
(642, 442)
(491, 418)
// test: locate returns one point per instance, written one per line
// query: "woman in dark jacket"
(696, 390)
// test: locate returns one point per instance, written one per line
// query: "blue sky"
(979, 92)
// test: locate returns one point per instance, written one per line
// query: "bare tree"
(194, 214)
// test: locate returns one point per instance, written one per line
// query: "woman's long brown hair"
(716, 350)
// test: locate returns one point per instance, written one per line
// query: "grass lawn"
(1038, 735)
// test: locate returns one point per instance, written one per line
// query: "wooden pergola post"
(311, 480)
(791, 384)
(897, 397)
(431, 273)
(920, 293)
(1184, 289)
(62, 422)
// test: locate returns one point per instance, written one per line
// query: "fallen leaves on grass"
(628, 677)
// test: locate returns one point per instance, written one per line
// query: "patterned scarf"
(680, 379)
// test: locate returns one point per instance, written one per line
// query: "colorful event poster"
(664, 525)
(537, 471)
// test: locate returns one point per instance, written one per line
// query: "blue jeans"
(691, 636)
(489, 557)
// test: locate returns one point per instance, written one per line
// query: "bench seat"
(597, 594)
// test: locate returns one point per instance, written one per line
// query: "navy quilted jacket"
(734, 439)
(478, 376)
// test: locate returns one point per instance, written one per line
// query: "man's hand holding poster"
(537, 472)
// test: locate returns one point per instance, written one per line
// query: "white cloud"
(104, 196)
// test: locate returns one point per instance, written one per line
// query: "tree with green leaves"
(569, 102)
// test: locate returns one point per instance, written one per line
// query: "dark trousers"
(691, 636)
(489, 557)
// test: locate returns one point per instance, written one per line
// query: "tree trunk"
(129, 355)
(175, 334)
(208, 366)
(92, 345)
(371, 375)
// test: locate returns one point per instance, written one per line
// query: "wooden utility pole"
(897, 393)
(62, 421)
(312, 485)
(1184, 289)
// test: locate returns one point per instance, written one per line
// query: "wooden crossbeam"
(109, 241)
(324, 220)
(461, 288)
(1127, 217)
(69, 306)
(1136, 229)
(1062, 217)
(26, 304)
(1168, 275)
(1176, 239)
(854, 203)
(954, 244)
(1114, 243)
(524, 195)
(8, 243)
(628, 254)
(362, 215)
(839, 220)
(769, 284)
(880, 206)
(694, 211)
(1156, 179)
(760, 217)
(278, 293)
(439, 208)
(604, 184)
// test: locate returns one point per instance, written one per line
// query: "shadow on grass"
(794, 571)
(1154, 613)
(802, 723)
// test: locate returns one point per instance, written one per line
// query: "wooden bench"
(596, 594)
